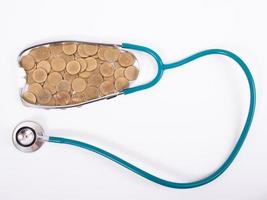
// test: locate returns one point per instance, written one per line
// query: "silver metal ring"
(28, 136)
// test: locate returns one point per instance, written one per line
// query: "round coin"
(91, 93)
(86, 50)
(58, 64)
(69, 48)
(56, 49)
(34, 88)
(100, 52)
(40, 53)
(63, 85)
(106, 69)
(111, 54)
(107, 87)
(78, 84)
(119, 72)
(54, 77)
(29, 97)
(126, 59)
(39, 75)
(27, 62)
(91, 64)
(44, 65)
(131, 73)
(121, 83)
(50, 87)
(73, 67)
(44, 96)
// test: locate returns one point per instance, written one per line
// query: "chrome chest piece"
(28, 136)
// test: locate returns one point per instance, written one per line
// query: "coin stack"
(71, 73)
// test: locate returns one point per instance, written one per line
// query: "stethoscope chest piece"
(28, 136)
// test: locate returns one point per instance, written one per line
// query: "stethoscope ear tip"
(28, 136)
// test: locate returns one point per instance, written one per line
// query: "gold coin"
(126, 59)
(119, 72)
(131, 73)
(40, 53)
(91, 93)
(83, 64)
(106, 69)
(86, 50)
(73, 67)
(78, 84)
(69, 77)
(54, 77)
(58, 64)
(95, 80)
(85, 74)
(91, 49)
(39, 75)
(50, 87)
(56, 49)
(34, 88)
(29, 97)
(78, 97)
(107, 87)
(91, 64)
(69, 48)
(121, 83)
(43, 96)
(44, 65)
(111, 54)
(62, 98)
(63, 85)
(27, 62)
(100, 52)
(82, 53)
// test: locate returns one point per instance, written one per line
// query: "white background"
(182, 129)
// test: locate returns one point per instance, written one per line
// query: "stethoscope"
(29, 136)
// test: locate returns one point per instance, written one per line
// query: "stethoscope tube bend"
(23, 139)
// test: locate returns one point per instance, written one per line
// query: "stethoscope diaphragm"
(28, 136)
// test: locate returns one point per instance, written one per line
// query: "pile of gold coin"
(71, 73)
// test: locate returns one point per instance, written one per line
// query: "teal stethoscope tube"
(161, 68)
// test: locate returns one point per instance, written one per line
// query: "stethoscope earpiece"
(28, 136)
